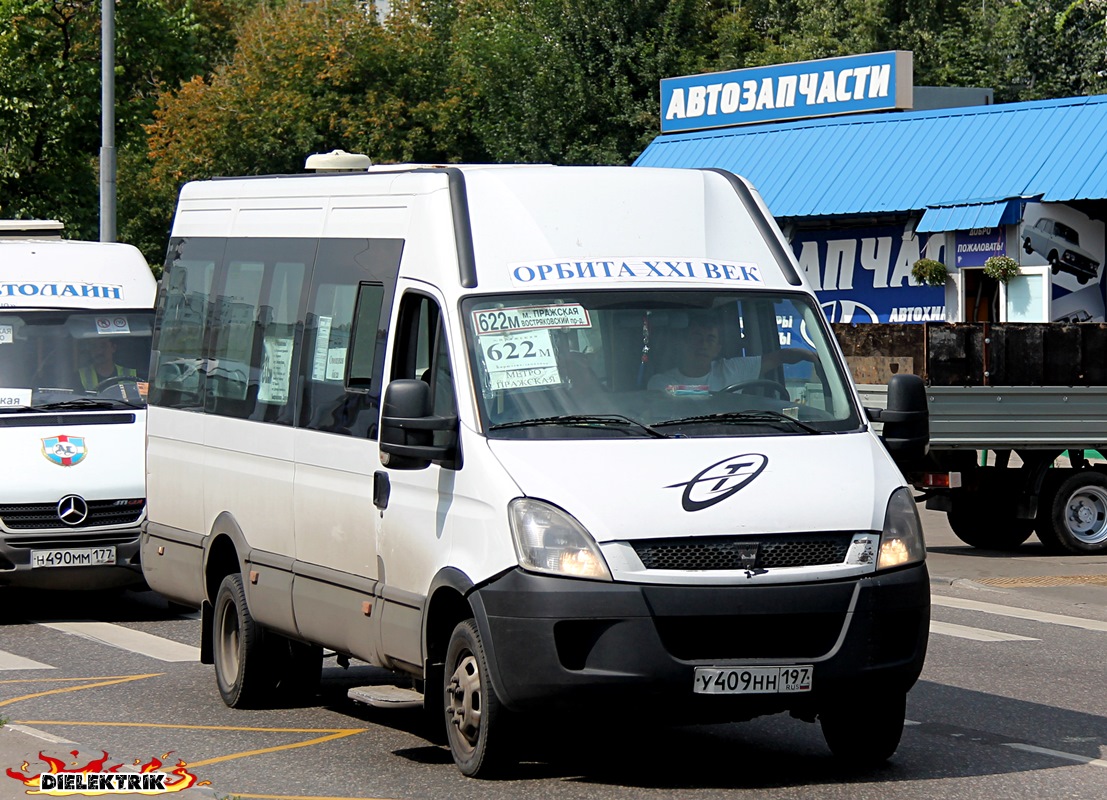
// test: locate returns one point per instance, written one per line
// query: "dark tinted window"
(345, 334)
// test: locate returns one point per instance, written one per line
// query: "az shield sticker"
(65, 451)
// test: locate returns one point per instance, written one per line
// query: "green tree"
(572, 81)
(50, 128)
(303, 78)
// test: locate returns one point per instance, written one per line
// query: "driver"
(701, 370)
(102, 366)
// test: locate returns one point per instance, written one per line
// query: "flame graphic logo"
(177, 779)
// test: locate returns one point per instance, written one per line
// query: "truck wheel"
(866, 731)
(475, 724)
(242, 670)
(988, 523)
(1078, 515)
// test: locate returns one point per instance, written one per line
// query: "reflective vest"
(90, 379)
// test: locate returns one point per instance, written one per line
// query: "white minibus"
(75, 325)
(539, 440)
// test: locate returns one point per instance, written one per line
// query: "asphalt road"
(1010, 705)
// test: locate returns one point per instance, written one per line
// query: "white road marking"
(46, 737)
(12, 661)
(127, 639)
(1029, 748)
(1019, 613)
(976, 634)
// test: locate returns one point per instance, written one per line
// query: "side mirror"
(906, 420)
(408, 426)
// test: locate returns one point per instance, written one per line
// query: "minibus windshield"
(621, 364)
(73, 359)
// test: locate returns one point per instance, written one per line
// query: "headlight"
(549, 540)
(901, 541)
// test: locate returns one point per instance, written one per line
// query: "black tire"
(984, 520)
(1028, 246)
(865, 731)
(243, 670)
(1054, 264)
(476, 725)
(1077, 520)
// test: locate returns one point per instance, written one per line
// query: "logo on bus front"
(65, 451)
(720, 481)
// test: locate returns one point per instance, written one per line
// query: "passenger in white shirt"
(701, 366)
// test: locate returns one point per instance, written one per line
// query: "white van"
(75, 325)
(434, 418)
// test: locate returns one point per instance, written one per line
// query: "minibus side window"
(422, 353)
(345, 328)
(177, 375)
(252, 332)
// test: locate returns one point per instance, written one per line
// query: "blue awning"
(976, 159)
(968, 216)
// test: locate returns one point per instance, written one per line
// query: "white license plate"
(753, 680)
(73, 557)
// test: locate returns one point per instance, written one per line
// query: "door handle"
(382, 489)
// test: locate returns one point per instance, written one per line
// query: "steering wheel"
(115, 380)
(760, 383)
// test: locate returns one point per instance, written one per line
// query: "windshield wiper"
(582, 419)
(85, 402)
(741, 417)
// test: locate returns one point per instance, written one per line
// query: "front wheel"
(865, 732)
(475, 720)
(242, 669)
(1078, 515)
(984, 520)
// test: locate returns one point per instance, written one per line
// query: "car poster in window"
(276, 369)
(516, 344)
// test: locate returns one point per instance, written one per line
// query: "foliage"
(50, 102)
(1001, 268)
(929, 272)
(207, 87)
(571, 81)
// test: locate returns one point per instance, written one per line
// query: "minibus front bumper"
(551, 638)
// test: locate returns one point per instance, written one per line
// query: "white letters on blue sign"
(890, 267)
(829, 86)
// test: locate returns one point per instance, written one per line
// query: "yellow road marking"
(296, 797)
(70, 680)
(331, 735)
(183, 726)
(111, 682)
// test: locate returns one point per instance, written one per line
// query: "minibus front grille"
(83, 539)
(44, 516)
(744, 552)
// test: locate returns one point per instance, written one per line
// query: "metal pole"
(107, 130)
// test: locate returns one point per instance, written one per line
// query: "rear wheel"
(243, 670)
(865, 732)
(984, 520)
(475, 720)
(1077, 521)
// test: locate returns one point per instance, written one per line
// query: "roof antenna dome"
(338, 161)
